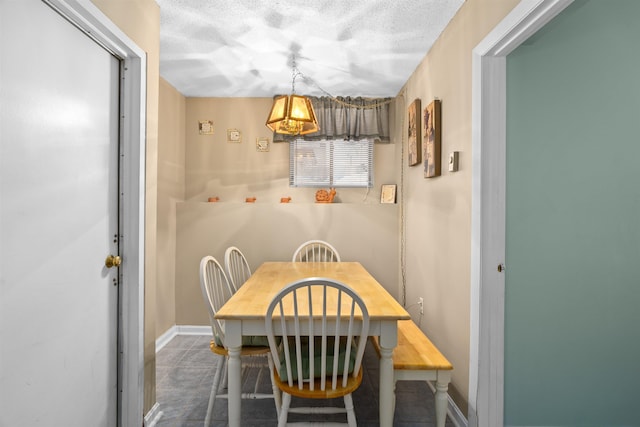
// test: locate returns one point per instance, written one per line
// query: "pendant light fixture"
(292, 114)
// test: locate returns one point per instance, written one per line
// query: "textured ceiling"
(244, 48)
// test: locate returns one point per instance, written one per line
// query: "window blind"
(331, 163)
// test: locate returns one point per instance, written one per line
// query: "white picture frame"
(234, 135)
(388, 193)
(262, 144)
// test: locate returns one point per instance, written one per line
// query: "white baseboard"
(194, 330)
(175, 330)
(456, 415)
(163, 339)
(153, 416)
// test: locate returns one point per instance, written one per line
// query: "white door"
(59, 137)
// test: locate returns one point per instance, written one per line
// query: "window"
(331, 163)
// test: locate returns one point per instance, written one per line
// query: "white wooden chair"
(316, 251)
(238, 270)
(216, 290)
(317, 358)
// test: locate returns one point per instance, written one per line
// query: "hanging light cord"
(297, 73)
(403, 220)
(294, 74)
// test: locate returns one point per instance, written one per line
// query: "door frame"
(488, 122)
(88, 18)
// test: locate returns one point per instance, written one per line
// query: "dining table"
(244, 315)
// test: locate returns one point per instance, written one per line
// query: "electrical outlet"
(421, 304)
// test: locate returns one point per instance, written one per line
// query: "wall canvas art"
(414, 133)
(432, 137)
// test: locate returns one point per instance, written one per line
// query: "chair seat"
(246, 351)
(247, 341)
(353, 383)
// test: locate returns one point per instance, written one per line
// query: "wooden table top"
(250, 302)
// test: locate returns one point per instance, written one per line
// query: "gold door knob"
(113, 261)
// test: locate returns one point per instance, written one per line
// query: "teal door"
(572, 322)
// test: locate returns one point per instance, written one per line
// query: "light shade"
(292, 115)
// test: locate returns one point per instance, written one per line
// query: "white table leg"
(388, 341)
(442, 385)
(233, 341)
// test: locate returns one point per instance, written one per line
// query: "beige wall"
(367, 233)
(171, 189)
(234, 171)
(140, 20)
(438, 210)
(359, 227)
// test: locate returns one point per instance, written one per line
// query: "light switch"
(453, 161)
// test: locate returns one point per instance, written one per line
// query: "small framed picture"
(388, 193)
(262, 144)
(205, 127)
(234, 135)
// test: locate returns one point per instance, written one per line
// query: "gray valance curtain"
(348, 118)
